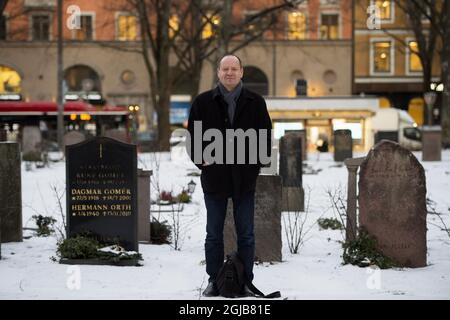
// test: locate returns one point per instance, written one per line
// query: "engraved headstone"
(268, 240)
(291, 172)
(343, 145)
(392, 203)
(302, 134)
(101, 189)
(10, 192)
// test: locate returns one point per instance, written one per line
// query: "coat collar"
(243, 99)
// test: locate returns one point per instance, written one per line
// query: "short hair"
(229, 55)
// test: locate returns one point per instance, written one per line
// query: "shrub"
(160, 232)
(44, 225)
(184, 197)
(330, 223)
(78, 247)
(362, 252)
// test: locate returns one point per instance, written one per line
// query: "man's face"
(230, 72)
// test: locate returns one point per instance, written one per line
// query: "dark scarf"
(231, 98)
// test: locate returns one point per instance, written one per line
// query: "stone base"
(293, 199)
(431, 143)
(99, 262)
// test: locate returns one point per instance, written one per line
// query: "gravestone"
(267, 220)
(101, 189)
(31, 139)
(145, 218)
(343, 145)
(302, 134)
(3, 135)
(291, 172)
(386, 135)
(73, 137)
(431, 143)
(272, 169)
(392, 203)
(10, 192)
(118, 134)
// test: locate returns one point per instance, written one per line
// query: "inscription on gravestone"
(101, 175)
(392, 203)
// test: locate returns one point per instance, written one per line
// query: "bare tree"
(438, 15)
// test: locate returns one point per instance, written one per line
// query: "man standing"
(229, 106)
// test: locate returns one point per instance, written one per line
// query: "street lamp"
(191, 187)
(430, 99)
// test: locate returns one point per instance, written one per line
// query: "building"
(297, 57)
(384, 60)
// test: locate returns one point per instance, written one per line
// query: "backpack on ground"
(231, 280)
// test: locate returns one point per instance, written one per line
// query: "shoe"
(211, 290)
(246, 292)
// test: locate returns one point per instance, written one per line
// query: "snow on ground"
(316, 272)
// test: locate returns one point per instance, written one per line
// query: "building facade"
(385, 62)
(307, 53)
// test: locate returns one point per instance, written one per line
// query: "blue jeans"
(216, 208)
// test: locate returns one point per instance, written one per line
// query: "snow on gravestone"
(101, 175)
(267, 220)
(392, 203)
(10, 192)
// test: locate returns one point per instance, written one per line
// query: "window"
(9, 80)
(127, 28)
(329, 28)
(40, 27)
(211, 22)
(2, 27)
(296, 25)
(382, 56)
(385, 7)
(174, 25)
(413, 58)
(86, 30)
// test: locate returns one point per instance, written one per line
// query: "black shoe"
(211, 290)
(246, 292)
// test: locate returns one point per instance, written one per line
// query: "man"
(229, 106)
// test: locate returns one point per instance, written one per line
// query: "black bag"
(231, 280)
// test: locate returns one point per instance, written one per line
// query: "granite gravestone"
(392, 203)
(291, 172)
(267, 220)
(101, 189)
(343, 145)
(10, 192)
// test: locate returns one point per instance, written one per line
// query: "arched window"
(256, 80)
(9, 80)
(81, 78)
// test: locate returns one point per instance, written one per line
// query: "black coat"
(251, 112)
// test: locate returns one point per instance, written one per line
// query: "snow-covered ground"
(316, 272)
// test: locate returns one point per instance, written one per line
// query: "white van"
(396, 120)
